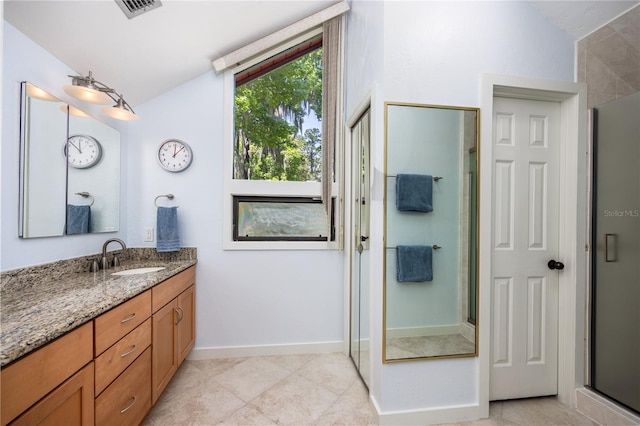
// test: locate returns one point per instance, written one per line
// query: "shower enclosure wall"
(615, 297)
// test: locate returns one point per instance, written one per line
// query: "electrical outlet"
(148, 234)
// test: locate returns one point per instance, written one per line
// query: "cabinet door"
(31, 378)
(186, 322)
(165, 348)
(69, 404)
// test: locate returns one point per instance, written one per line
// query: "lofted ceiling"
(152, 53)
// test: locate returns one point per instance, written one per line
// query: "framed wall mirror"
(69, 169)
(430, 235)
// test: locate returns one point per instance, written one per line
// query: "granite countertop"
(33, 315)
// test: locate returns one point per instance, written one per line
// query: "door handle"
(363, 238)
(554, 264)
(610, 254)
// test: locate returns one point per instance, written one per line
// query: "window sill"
(279, 245)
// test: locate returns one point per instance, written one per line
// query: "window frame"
(260, 188)
(286, 200)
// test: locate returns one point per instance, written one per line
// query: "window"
(280, 219)
(279, 166)
(277, 117)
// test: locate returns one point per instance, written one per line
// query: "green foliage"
(270, 112)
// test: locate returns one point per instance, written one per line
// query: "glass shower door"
(615, 327)
(359, 344)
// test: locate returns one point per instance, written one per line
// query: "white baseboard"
(429, 416)
(441, 330)
(267, 350)
(602, 410)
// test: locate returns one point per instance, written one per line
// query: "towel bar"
(435, 247)
(169, 196)
(435, 178)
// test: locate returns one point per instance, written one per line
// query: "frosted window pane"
(281, 219)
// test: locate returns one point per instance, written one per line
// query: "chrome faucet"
(115, 262)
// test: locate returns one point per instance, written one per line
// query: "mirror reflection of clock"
(82, 151)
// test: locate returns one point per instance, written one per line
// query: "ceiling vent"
(133, 8)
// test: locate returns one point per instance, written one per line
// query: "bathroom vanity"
(94, 348)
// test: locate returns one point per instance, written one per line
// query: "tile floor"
(422, 346)
(315, 389)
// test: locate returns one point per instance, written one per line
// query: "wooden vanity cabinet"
(110, 370)
(173, 327)
(59, 375)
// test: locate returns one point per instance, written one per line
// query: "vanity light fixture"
(121, 110)
(88, 89)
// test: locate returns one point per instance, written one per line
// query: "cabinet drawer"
(114, 360)
(26, 381)
(128, 399)
(169, 289)
(114, 324)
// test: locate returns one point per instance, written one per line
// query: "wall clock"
(82, 151)
(174, 155)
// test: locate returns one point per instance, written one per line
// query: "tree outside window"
(278, 126)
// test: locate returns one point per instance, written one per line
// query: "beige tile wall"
(609, 59)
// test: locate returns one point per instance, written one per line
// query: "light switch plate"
(148, 234)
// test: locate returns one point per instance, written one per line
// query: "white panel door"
(524, 290)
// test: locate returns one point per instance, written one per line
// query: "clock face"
(82, 151)
(174, 155)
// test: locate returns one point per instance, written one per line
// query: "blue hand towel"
(78, 219)
(414, 193)
(167, 229)
(414, 264)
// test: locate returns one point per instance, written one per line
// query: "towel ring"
(85, 194)
(169, 196)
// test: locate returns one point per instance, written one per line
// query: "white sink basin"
(137, 271)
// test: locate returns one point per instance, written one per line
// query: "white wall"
(363, 59)
(23, 60)
(435, 52)
(244, 298)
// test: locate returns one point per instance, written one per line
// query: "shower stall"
(615, 290)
